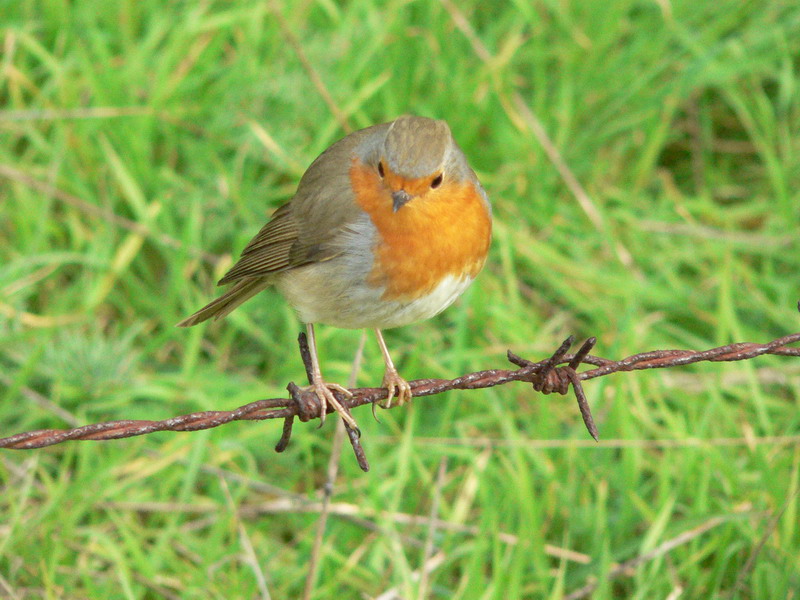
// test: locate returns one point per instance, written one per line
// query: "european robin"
(388, 226)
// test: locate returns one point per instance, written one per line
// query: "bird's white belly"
(425, 307)
(339, 301)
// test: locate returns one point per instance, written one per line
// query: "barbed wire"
(546, 376)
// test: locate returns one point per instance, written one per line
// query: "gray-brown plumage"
(303, 231)
(388, 226)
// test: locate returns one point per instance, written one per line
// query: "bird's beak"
(399, 198)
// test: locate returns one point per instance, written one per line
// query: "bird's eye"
(437, 181)
(380, 169)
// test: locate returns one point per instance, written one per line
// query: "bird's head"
(417, 157)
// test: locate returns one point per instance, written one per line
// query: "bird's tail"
(239, 293)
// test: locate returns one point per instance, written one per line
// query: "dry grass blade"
(312, 73)
(691, 442)
(433, 563)
(357, 515)
(629, 565)
(94, 112)
(751, 560)
(327, 490)
(103, 214)
(428, 551)
(247, 545)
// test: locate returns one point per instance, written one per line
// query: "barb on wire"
(546, 377)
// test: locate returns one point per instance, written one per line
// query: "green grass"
(194, 120)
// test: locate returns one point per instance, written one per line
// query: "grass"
(143, 143)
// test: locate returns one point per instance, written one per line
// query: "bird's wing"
(305, 230)
(268, 252)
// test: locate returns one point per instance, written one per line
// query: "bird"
(388, 226)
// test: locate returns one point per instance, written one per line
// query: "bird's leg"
(322, 389)
(391, 378)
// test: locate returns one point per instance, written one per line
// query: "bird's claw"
(324, 391)
(395, 384)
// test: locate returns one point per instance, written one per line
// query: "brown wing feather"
(268, 252)
(239, 293)
(281, 227)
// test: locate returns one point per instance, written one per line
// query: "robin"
(388, 226)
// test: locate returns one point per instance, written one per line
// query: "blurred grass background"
(143, 143)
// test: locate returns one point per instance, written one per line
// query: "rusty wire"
(545, 376)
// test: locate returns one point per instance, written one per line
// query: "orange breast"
(443, 231)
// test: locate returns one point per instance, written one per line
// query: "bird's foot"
(324, 392)
(395, 385)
